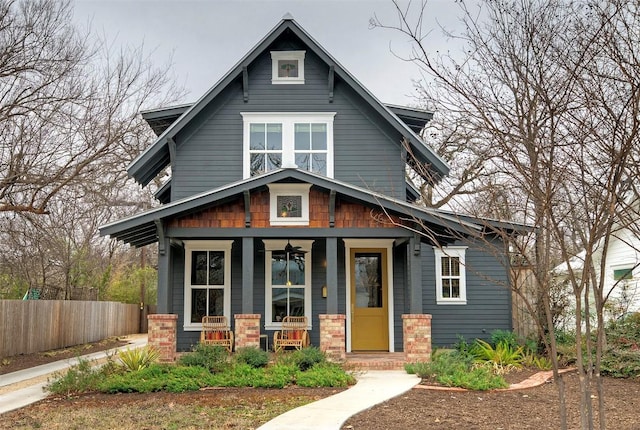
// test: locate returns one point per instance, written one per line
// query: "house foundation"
(416, 331)
(163, 329)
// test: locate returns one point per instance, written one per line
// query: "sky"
(205, 39)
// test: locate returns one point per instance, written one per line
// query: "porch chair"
(216, 331)
(293, 333)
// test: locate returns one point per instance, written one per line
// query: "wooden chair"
(294, 333)
(216, 331)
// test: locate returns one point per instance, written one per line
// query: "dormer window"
(287, 67)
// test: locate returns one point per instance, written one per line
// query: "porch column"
(162, 335)
(164, 276)
(414, 261)
(333, 336)
(247, 275)
(247, 330)
(416, 333)
(332, 275)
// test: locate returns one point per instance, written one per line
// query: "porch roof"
(142, 229)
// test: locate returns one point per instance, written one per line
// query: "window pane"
(455, 266)
(274, 137)
(319, 137)
(274, 161)
(619, 274)
(216, 267)
(199, 268)
(445, 266)
(368, 276)
(455, 288)
(278, 268)
(296, 302)
(216, 301)
(302, 137)
(446, 288)
(198, 305)
(302, 161)
(287, 68)
(289, 206)
(319, 164)
(256, 136)
(279, 303)
(296, 269)
(257, 164)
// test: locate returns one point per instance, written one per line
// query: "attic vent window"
(287, 67)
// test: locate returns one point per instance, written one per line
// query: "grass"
(215, 413)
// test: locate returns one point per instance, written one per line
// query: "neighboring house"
(288, 197)
(621, 277)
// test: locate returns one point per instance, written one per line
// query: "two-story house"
(288, 196)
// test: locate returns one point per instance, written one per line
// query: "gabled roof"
(153, 160)
(140, 229)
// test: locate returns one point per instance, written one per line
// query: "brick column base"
(247, 330)
(163, 330)
(333, 336)
(416, 333)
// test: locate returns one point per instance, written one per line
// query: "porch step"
(375, 361)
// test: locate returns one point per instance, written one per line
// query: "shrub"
(212, 357)
(307, 357)
(137, 359)
(175, 379)
(621, 363)
(502, 358)
(253, 356)
(324, 375)
(79, 378)
(530, 359)
(505, 337)
(454, 369)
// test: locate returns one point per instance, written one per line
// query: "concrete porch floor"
(375, 360)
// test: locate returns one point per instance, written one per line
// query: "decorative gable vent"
(287, 67)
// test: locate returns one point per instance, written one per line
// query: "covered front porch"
(416, 330)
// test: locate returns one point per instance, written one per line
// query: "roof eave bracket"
(160, 232)
(245, 84)
(332, 208)
(247, 209)
(331, 82)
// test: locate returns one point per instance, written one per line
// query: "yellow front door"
(369, 301)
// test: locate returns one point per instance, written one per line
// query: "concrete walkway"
(373, 387)
(21, 388)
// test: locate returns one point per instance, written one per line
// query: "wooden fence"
(42, 325)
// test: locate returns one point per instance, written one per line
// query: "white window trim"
(451, 251)
(206, 245)
(276, 190)
(271, 245)
(287, 55)
(288, 120)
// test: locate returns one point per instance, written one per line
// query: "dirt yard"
(247, 408)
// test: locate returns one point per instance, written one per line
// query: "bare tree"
(69, 126)
(550, 91)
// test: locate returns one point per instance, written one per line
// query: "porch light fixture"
(324, 291)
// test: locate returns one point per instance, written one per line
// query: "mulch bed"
(25, 361)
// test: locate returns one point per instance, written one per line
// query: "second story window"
(284, 140)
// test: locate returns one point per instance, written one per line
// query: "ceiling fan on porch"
(290, 249)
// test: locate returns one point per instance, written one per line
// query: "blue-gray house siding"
(367, 150)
